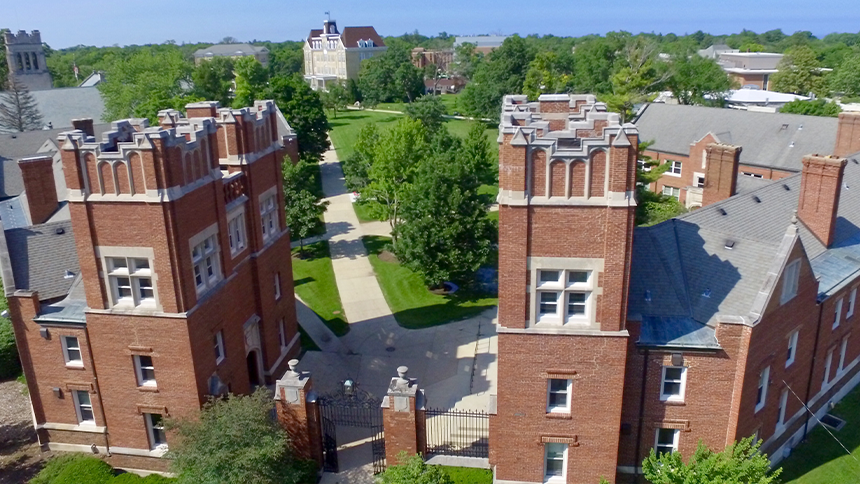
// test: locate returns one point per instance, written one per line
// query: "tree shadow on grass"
(438, 314)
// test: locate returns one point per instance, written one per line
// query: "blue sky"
(108, 22)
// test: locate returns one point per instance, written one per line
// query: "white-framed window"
(783, 403)
(789, 281)
(643, 165)
(72, 351)
(842, 352)
(828, 362)
(277, 286)
(269, 215)
(236, 228)
(555, 462)
(83, 407)
(130, 281)
(672, 192)
(837, 313)
(145, 371)
(673, 384)
(699, 180)
(155, 429)
(282, 334)
(564, 296)
(220, 354)
(792, 348)
(761, 393)
(204, 259)
(674, 168)
(666, 441)
(851, 300)
(558, 395)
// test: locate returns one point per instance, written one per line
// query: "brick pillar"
(847, 135)
(403, 417)
(820, 185)
(299, 414)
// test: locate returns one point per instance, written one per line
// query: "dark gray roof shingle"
(61, 106)
(40, 256)
(774, 140)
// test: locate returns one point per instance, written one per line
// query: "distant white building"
(233, 51)
(714, 51)
(759, 100)
(483, 43)
(333, 56)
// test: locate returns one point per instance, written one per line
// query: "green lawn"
(413, 305)
(362, 211)
(314, 281)
(468, 475)
(346, 126)
(821, 460)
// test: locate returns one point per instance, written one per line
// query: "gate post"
(299, 413)
(403, 417)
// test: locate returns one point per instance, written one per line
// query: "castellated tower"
(26, 59)
(567, 175)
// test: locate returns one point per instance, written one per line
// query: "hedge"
(74, 468)
(10, 366)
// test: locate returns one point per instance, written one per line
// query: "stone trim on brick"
(92, 429)
(683, 425)
(79, 385)
(572, 441)
(560, 374)
(159, 409)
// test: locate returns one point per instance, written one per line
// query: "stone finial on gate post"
(403, 417)
(298, 412)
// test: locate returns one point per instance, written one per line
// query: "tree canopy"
(814, 107)
(213, 79)
(502, 72)
(390, 77)
(799, 72)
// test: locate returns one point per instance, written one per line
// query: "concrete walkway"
(454, 363)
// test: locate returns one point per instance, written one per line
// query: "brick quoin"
(154, 190)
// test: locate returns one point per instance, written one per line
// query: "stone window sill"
(559, 416)
(147, 388)
(72, 366)
(674, 403)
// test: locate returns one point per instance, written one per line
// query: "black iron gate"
(357, 409)
(460, 433)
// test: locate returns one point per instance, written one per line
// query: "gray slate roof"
(40, 255)
(686, 269)
(229, 50)
(69, 310)
(61, 106)
(766, 138)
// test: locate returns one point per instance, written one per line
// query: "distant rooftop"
(229, 50)
(480, 40)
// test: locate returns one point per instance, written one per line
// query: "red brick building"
(713, 326)
(773, 144)
(160, 280)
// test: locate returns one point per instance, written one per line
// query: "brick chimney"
(85, 125)
(721, 174)
(819, 195)
(38, 175)
(847, 135)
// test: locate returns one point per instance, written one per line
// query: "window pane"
(671, 388)
(145, 286)
(118, 263)
(87, 414)
(548, 302)
(198, 276)
(556, 385)
(558, 399)
(74, 354)
(577, 277)
(549, 276)
(674, 373)
(123, 287)
(83, 398)
(141, 264)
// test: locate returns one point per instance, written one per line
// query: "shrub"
(74, 469)
(10, 366)
(127, 478)
(467, 475)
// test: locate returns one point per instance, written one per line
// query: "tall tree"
(251, 79)
(357, 166)
(429, 110)
(502, 72)
(478, 155)
(547, 74)
(303, 206)
(466, 60)
(18, 108)
(799, 72)
(390, 77)
(234, 440)
(846, 78)
(739, 463)
(213, 79)
(141, 83)
(396, 156)
(445, 234)
(303, 109)
(335, 98)
(635, 78)
(694, 79)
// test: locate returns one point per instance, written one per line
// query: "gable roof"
(687, 267)
(773, 140)
(60, 106)
(40, 256)
(351, 35)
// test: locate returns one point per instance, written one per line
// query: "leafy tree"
(799, 73)
(390, 77)
(138, 85)
(813, 107)
(751, 47)
(846, 78)
(251, 78)
(445, 234)
(234, 440)
(635, 79)
(466, 60)
(213, 79)
(286, 59)
(478, 155)
(593, 63)
(303, 206)
(652, 208)
(694, 79)
(413, 470)
(303, 108)
(740, 463)
(4, 68)
(502, 72)
(18, 108)
(335, 98)
(396, 156)
(429, 110)
(357, 166)
(547, 74)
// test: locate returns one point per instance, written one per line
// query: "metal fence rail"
(461, 433)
